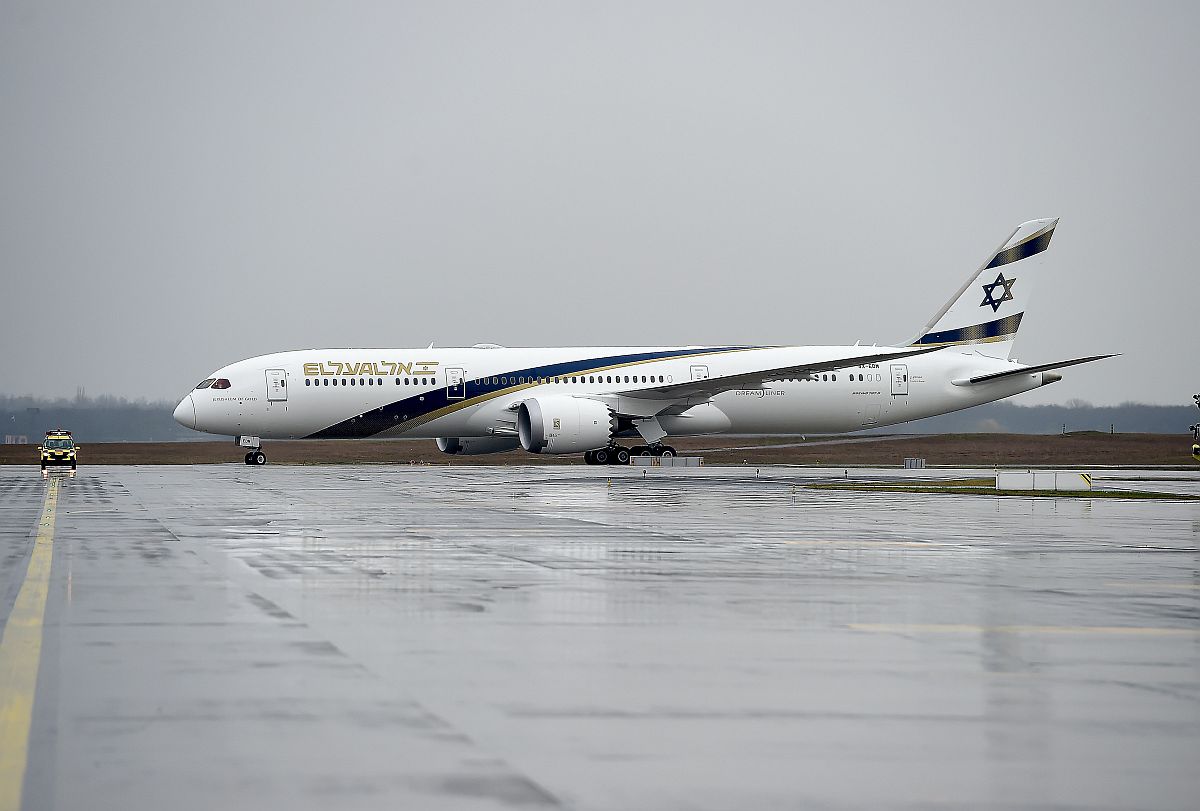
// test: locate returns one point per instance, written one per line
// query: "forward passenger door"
(276, 386)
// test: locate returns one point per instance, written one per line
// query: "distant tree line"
(92, 419)
(114, 419)
(1074, 415)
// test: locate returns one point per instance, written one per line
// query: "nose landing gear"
(254, 456)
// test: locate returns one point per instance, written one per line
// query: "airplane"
(568, 400)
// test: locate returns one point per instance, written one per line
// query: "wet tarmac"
(589, 638)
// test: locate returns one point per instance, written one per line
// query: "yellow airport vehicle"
(1196, 432)
(59, 448)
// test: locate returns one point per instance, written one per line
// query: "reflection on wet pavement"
(587, 638)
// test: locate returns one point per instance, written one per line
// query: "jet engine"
(564, 424)
(476, 445)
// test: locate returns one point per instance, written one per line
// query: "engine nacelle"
(476, 445)
(564, 424)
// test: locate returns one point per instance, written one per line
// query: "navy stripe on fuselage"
(979, 333)
(410, 409)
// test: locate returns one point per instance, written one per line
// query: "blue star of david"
(989, 292)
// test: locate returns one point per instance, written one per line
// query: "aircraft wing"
(711, 386)
(1025, 370)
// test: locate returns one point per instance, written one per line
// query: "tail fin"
(988, 309)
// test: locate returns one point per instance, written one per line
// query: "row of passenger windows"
(370, 381)
(516, 381)
(833, 378)
(495, 381)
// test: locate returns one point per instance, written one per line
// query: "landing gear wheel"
(590, 457)
(249, 461)
(602, 456)
(667, 450)
(621, 456)
(258, 458)
(641, 450)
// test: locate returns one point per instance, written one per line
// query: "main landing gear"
(617, 455)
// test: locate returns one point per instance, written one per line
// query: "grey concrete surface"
(589, 638)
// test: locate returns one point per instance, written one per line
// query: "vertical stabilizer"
(989, 307)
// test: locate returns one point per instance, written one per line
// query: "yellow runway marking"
(1024, 629)
(20, 656)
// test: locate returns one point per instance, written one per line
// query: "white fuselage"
(358, 393)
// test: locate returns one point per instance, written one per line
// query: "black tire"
(667, 450)
(602, 456)
(249, 461)
(641, 450)
(259, 458)
(589, 457)
(621, 457)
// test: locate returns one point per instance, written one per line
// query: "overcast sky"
(183, 185)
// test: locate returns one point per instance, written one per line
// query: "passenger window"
(307, 382)
(371, 381)
(833, 377)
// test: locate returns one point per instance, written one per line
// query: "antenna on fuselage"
(430, 345)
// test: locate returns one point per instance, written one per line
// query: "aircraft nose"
(185, 413)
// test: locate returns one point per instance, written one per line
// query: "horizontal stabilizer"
(1027, 370)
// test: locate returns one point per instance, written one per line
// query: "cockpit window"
(204, 384)
(220, 383)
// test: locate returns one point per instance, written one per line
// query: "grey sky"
(184, 185)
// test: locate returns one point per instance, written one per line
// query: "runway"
(427, 637)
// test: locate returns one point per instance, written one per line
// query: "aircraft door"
(276, 386)
(699, 373)
(456, 384)
(900, 379)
